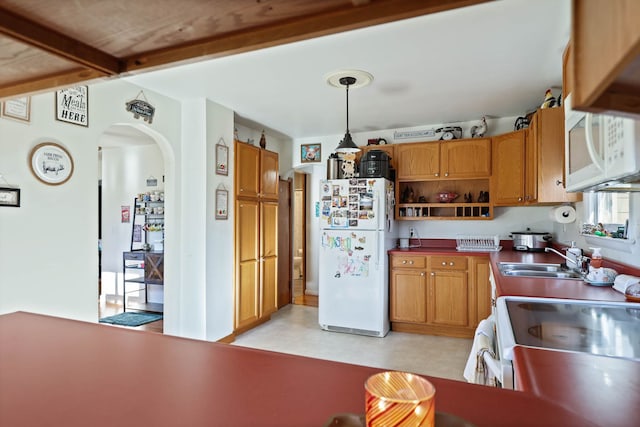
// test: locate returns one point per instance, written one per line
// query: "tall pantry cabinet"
(256, 235)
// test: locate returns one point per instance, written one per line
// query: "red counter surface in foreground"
(59, 372)
(603, 389)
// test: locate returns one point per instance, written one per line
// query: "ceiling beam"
(351, 17)
(48, 83)
(34, 34)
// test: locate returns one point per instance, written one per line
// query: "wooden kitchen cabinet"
(604, 64)
(256, 235)
(418, 161)
(528, 165)
(428, 168)
(480, 288)
(448, 295)
(435, 294)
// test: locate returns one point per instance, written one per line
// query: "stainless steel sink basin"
(504, 266)
(543, 270)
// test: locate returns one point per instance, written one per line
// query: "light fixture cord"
(347, 108)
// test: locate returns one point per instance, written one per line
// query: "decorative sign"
(141, 108)
(10, 197)
(51, 163)
(125, 213)
(427, 133)
(72, 105)
(19, 109)
(222, 204)
(310, 153)
(152, 182)
(222, 159)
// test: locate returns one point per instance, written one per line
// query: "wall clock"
(51, 163)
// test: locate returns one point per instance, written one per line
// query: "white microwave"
(601, 151)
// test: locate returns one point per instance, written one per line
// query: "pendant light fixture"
(347, 145)
(349, 78)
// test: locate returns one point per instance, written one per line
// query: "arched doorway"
(134, 160)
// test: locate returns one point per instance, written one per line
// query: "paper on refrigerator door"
(349, 252)
(348, 203)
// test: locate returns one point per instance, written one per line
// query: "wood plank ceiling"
(49, 44)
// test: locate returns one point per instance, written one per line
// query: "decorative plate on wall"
(51, 163)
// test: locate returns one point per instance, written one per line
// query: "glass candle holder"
(399, 399)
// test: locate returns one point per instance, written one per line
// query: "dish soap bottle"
(596, 258)
(574, 253)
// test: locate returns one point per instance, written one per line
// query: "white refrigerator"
(357, 230)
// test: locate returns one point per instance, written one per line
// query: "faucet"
(579, 264)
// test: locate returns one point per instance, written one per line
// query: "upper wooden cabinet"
(418, 161)
(259, 174)
(466, 158)
(247, 181)
(457, 159)
(605, 56)
(528, 165)
(268, 175)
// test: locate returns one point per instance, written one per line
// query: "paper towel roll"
(563, 214)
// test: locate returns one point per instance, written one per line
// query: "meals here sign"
(72, 105)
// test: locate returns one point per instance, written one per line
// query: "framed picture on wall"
(222, 204)
(51, 163)
(222, 159)
(72, 105)
(310, 153)
(19, 109)
(10, 197)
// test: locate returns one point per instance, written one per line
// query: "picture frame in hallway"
(222, 159)
(51, 163)
(18, 109)
(72, 105)
(222, 204)
(10, 197)
(310, 153)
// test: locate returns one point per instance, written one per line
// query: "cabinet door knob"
(446, 174)
(404, 261)
(411, 262)
(433, 274)
(422, 274)
(444, 263)
(436, 174)
(519, 199)
(451, 263)
(558, 182)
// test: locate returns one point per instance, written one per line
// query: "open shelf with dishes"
(467, 199)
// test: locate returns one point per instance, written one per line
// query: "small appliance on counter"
(530, 241)
(334, 166)
(375, 164)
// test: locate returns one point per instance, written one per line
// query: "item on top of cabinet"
(450, 132)
(263, 140)
(479, 130)
(521, 123)
(447, 197)
(549, 100)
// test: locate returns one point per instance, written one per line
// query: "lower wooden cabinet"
(438, 295)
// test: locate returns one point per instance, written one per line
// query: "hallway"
(294, 329)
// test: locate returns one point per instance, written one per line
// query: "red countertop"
(62, 372)
(603, 389)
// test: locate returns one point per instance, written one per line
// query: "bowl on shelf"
(447, 197)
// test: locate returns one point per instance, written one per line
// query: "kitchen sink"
(544, 270)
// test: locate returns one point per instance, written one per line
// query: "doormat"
(131, 319)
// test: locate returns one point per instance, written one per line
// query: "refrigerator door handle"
(377, 249)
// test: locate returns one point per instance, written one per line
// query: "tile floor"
(294, 329)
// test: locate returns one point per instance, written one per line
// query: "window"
(611, 210)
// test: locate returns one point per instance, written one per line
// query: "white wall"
(49, 246)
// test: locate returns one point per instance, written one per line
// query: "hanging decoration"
(222, 158)
(222, 202)
(140, 107)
